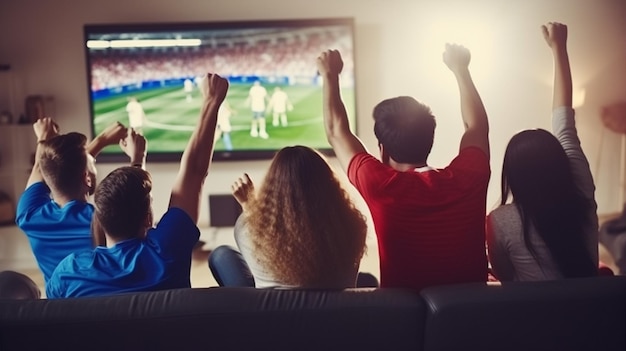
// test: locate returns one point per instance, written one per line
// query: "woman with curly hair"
(300, 229)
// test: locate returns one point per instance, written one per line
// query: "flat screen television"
(146, 76)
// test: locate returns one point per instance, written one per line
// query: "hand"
(45, 128)
(330, 63)
(555, 34)
(214, 87)
(456, 57)
(243, 189)
(134, 145)
(113, 134)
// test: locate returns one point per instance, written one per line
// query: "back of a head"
(63, 163)
(537, 173)
(406, 129)
(123, 202)
(299, 177)
(302, 206)
(536, 167)
(17, 286)
(294, 166)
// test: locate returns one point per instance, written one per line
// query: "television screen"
(147, 77)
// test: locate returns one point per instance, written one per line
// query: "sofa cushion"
(572, 314)
(219, 318)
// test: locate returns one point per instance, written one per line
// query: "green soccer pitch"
(171, 118)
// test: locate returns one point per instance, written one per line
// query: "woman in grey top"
(550, 230)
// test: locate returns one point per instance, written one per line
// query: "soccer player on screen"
(188, 88)
(136, 115)
(257, 97)
(223, 124)
(280, 104)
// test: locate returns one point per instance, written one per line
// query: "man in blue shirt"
(53, 210)
(139, 257)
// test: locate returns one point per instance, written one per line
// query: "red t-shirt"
(430, 225)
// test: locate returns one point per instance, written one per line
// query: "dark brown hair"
(406, 128)
(17, 286)
(123, 201)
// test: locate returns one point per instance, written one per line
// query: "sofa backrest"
(218, 318)
(571, 314)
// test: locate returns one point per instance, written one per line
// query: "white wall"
(399, 44)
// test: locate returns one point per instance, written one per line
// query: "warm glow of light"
(578, 97)
(98, 44)
(473, 32)
(141, 43)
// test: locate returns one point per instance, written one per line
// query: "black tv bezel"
(221, 155)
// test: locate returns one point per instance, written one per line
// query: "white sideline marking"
(188, 128)
(158, 125)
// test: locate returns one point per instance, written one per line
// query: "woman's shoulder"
(505, 215)
(505, 211)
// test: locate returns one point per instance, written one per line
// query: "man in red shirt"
(430, 223)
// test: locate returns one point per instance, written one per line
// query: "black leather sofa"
(576, 314)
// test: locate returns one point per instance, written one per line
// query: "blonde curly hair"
(303, 225)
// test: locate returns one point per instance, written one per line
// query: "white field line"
(190, 128)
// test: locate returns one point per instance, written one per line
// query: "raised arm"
(44, 129)
(563, 122)
(194, 164)
(112, 135)
(135, 146)
(457, 58)
(555, 35)
(344, 142)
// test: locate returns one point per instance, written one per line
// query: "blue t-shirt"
(53, 231)
(160, 261)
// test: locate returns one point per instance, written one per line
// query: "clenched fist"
(214, 87)
(456, 57)
(330, 63)
(555, 34)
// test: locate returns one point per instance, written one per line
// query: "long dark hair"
(536, 171)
